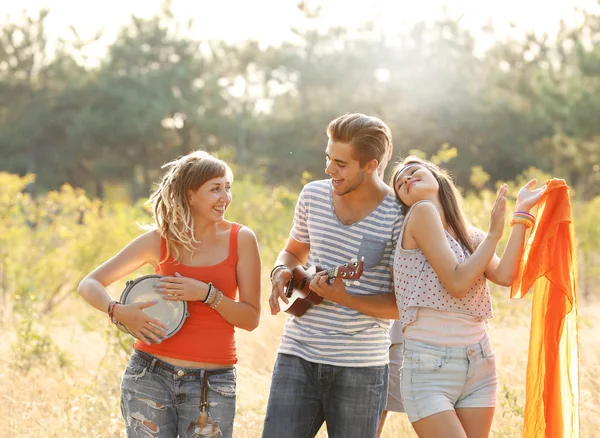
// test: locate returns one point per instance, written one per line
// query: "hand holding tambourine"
(139, 323)
(145, 313)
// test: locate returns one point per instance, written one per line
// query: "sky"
(269, 21)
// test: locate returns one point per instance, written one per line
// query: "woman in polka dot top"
(441, 269)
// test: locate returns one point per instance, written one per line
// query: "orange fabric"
(552, 385)
(205, 336)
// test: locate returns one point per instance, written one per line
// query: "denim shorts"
(394, 398)
(162, 400)
(437, 379)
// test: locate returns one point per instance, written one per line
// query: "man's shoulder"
(391, 205)
(318, 188)
(318, 184)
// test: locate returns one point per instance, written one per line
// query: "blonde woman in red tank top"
(185, 385)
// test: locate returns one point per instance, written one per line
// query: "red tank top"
(205, 336)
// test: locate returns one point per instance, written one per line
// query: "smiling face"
(211, 200)
(344, 169)
(415, 182)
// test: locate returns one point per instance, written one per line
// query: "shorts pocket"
(372, 250)
(427, 362)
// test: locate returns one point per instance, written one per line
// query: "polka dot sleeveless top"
(417, 285)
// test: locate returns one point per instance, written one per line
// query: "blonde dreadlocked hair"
(170, 201)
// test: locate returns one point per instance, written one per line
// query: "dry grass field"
(80, 398)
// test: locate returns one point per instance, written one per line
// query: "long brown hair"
(450, 198)
(170, 201)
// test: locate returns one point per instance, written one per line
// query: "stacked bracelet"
(272, 275)
(213, 297)
(217, 300)
(209, 293)
(111, 311)
(523, 218)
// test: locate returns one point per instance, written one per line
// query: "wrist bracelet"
(525, 213)
(211, 296)
(522, 220)
(276, 268)
(218, 300)
(111, 311)
(210, 288)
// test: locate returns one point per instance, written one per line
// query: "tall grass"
(61, 361)
(79, 397)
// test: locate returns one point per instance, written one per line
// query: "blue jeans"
(306, 394)
(161, 400)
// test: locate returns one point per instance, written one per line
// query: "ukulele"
(297, 291)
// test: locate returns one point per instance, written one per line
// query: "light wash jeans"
(304, 394)
(164, 401)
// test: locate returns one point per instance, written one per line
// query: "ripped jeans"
(161, 400)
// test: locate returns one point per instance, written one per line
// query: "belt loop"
(151, 367)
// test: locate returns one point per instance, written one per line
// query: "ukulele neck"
(332, 272)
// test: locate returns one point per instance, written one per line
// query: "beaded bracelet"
(218, 301)
(111, 311)
(521, 221)
(523, 218)
(213, 296)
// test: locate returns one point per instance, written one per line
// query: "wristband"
(276, 268)
(111, 311)
(218, 300)
(517, 219)
(210, 288)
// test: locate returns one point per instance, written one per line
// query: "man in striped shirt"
(332, 362)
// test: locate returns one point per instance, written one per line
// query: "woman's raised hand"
(527, 198)
(498, 217)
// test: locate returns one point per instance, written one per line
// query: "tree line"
(159, 93)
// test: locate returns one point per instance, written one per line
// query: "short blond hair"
(370, 137)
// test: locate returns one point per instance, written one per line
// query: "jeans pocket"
(223, 384)
(372, 251)
(134, 371)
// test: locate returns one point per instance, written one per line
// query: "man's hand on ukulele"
(333, 290)
(281, 277)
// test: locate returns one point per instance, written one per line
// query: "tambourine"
(170, 313)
